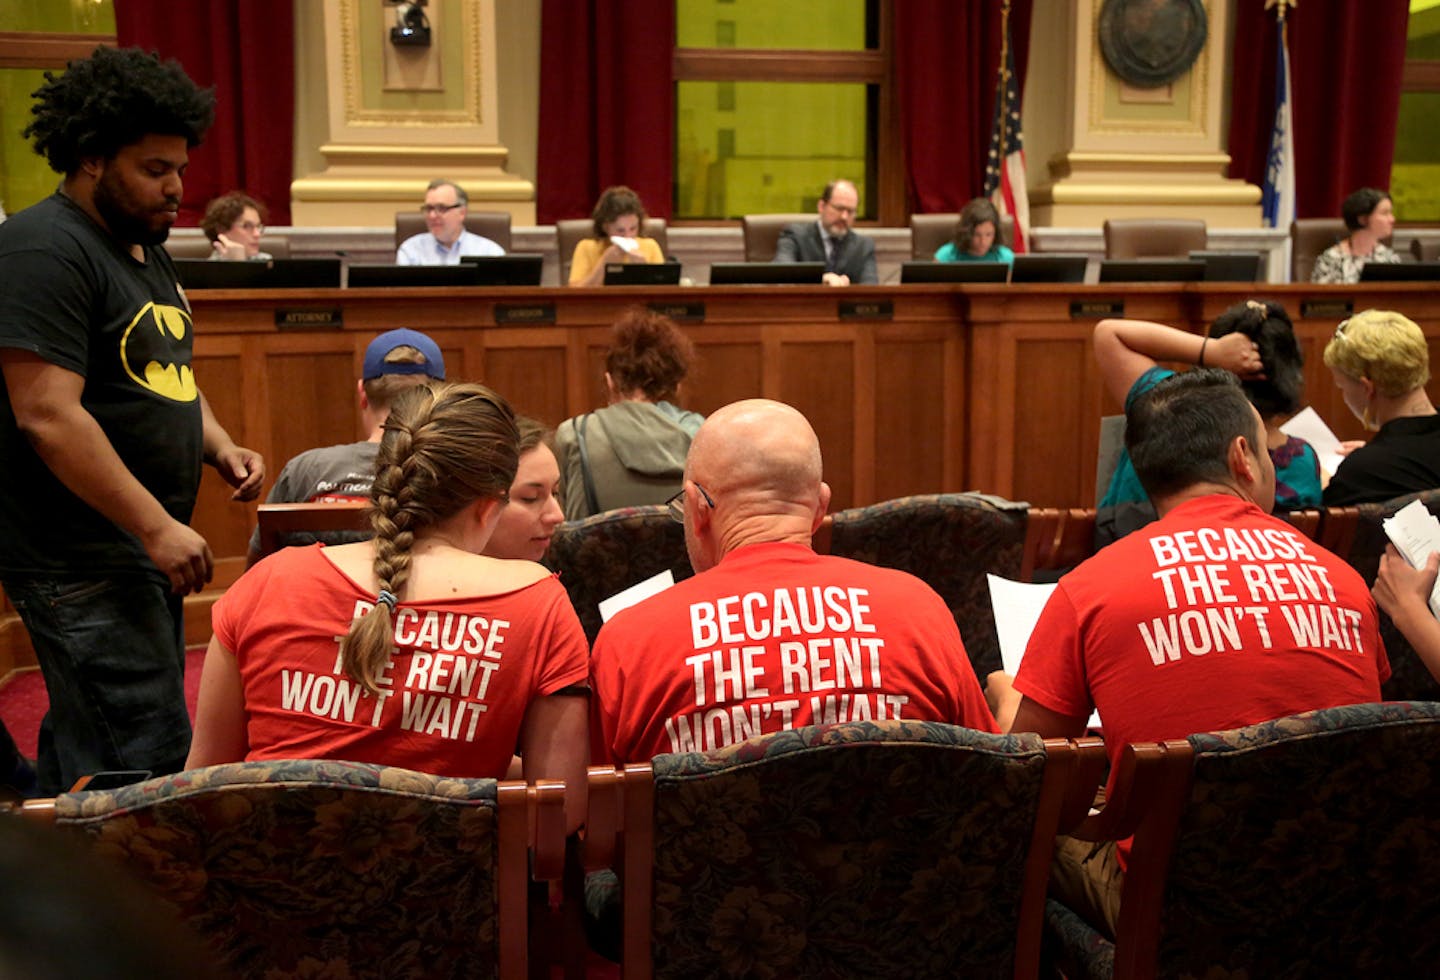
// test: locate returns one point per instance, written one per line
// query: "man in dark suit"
(848, 256)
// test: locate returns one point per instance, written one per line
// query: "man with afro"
(102, 427)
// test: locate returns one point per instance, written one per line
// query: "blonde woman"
(412, 649)
(1381, 364)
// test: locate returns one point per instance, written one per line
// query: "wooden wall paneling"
(818, 378)
(729, 365)
(910, 431)
(529, 366)
(224, 523)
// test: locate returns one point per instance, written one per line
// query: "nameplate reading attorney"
(537, 313)
(1096, 309)
(867, 309)
(1326, 309)
(309, 319)
(680, 312)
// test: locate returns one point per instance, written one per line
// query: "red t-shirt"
(1216, 617)
(776, 637)
(460, 679)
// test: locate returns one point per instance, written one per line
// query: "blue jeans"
(112, 653)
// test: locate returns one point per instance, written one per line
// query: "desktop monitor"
(1151, 270)
(385, 274)
(1400, 272)
(514, 269)
(766, 273)
(269, 274)
(912, 272)
(1229, 266)
(1054, 267)
(642, 274)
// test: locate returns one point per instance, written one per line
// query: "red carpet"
(23, 701)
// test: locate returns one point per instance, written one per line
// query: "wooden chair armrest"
(602, 818)
(547, 806)
(1087, 776)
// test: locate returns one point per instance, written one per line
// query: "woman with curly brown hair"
(412, 649)
(632, 451)
(234, 223)
(619, 224)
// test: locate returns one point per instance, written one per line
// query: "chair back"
(1153, 238)
(276, 246)
(950, 541)
(929, 231)
(1308, 238)
(610, 552)
(570, 232)
(1409, 679)
(894, 848)
(762, 233)
(494, 225)
(330, 868)
(1425, 249)
(291, 524)
(1288, 848)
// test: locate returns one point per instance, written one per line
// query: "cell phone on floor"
(111, 779)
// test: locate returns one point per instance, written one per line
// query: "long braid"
(444, 446)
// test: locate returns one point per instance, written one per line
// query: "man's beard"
(126, 221)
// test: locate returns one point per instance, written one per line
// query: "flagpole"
(1004, 72)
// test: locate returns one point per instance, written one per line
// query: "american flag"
(1005, 166)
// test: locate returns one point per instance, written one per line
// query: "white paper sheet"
(1416, 533)
(637, 593)
(1308, 425)
(1017, 607)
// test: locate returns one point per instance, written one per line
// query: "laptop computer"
(270, 274)
(1229, 266)
(1056, 267)
(385, 274)
(642, 274)
(1399, 272)
(766, 273)
(515, 269)
(1151, 270)
(912, 272)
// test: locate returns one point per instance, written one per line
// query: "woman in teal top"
(976, 235)
(1127, 351)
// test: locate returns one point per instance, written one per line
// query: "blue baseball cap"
(382, 345)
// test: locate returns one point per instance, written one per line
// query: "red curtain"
(607, 105)
(245, 50)
(947, 55)
(1346, 62)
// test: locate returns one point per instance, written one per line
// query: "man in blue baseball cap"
(394, 361)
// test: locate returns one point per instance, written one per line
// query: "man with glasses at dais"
(849, 256)
(446, 241)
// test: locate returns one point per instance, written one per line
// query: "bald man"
(769, 635)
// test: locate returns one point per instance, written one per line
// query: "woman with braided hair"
(412, 649)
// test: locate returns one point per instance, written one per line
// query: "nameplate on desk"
(1096, 309)
(542, 313)
(1325, 309)
(867, 309)
(309, 319)
(680, 312)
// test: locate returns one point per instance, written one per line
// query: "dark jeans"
(112, 653)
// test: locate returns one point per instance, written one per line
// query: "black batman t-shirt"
(73, 295)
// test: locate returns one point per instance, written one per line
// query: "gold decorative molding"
(356, 114)
(358, 154)
(1152, 194)
(404, 190)
(1089, 161)
(1196, 119)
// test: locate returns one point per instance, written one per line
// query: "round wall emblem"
(1151, 42)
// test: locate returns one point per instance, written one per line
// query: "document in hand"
(1415, 533)
(1308, 425)
(1017, 607)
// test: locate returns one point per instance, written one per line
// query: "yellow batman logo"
(156, 352)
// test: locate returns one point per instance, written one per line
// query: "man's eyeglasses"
(675, 506)
(439, 208)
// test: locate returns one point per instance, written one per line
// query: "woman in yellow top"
(619, 220)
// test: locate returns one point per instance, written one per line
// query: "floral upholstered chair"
(1409, 678)
(327, 869)
(609, 552)
(950, 541)
(868, 849)
(1308, 846)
